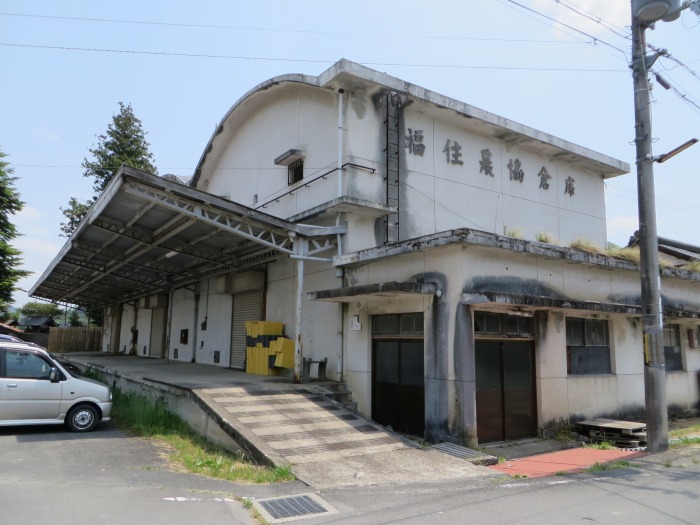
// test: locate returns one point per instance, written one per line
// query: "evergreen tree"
(74, 318)
(10, 260)
(123, 143)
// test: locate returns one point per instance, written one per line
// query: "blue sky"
(557, 66)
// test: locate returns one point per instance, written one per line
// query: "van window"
(25, 365)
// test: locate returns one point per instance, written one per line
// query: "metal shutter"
(157, 332)
(246, 307)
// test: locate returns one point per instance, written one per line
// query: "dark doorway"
(398, 386)
(505, 390)
(398, 389)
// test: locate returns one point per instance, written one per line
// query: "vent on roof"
(288, 508)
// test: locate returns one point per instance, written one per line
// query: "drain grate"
(473, 456)
(288, 508)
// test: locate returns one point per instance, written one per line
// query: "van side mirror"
(54, 376)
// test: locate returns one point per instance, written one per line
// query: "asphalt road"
(657, 490)
(49, 475)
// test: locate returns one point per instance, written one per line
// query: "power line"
(572, 28)
(305, 60)
(288, 30)
(593, 17)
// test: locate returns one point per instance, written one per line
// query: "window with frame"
(295, 171)
(672, 348)
(495, 324)
(25, 365)
(587, 346)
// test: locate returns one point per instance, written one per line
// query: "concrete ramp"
(295, 426)
(326, 444)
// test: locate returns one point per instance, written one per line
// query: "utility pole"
(654, 362)
(644, 15)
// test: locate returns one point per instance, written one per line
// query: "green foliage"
(601, 467)
(34, 308)
(10, 260)
(123, 143)
(74, 318)
(95, 317)
(603, 445)
(188, 449)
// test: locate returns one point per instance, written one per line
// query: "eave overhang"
(374, 292)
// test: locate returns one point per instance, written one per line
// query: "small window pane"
(412, 364)
(574, 332)
(387, 361)
(671, 335)
(487, 323)
(672, 355)
(596, 332)
(386, 324)
(412, 324)
(25, 365)
(589, 360)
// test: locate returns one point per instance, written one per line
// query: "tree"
(10, 260)
(74, 318)
(123, 143)
(34, 308)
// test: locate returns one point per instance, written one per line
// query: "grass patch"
(512, 232)
(630, 254)
(586, 246)
(684, 441)
(545, 237)
(187, 449)
(681, 432)
(693, 266)
(601, 467)
(603, 445)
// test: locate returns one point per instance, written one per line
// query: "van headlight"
(110, 396)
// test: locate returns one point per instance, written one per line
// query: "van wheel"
(82, 418)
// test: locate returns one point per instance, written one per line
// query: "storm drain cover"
(473, 456)
(288, 508)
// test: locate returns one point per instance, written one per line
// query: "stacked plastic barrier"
(283, 349)
(260, 359)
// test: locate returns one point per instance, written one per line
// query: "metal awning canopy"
(374, 292)
(147, 235)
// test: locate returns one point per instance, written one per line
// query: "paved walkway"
(327, 445)
(568, 461)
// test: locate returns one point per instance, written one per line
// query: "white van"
(35, 389)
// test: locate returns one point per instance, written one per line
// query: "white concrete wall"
(439, 195)
(143, 325)
(321, 322)
(560, 397)
(292, 116)
(183, 309)
(217, 310)
(125, 331)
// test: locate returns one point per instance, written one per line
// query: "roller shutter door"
(246, 307)
(157, 332)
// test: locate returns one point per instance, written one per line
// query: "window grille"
(295, 171)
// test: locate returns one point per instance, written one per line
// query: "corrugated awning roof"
(148, 235)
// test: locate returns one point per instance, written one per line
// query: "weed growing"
(153, 420)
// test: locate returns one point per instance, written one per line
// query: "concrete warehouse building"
(436, 255)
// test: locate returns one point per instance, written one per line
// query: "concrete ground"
(328, 446)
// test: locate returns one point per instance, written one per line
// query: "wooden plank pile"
(623, 434)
